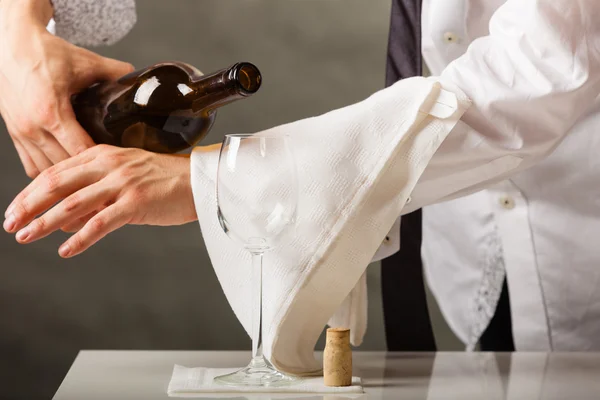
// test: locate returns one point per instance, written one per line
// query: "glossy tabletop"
(128, 375)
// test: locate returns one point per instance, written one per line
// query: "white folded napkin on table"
(356, 167)
(198, 382)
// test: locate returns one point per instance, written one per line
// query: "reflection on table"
(145, 375)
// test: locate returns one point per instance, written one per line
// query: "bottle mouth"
(248, 78)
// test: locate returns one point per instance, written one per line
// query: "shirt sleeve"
(530, 80)
(93, 22)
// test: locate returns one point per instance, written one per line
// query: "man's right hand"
(39, 73)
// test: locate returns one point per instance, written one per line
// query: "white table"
(128, 375)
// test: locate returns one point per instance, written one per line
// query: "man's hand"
(101, 190)
(38, 74)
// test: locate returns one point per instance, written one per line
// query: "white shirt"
(532, 69)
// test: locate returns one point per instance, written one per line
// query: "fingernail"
(23, 234)
(9, 210)
(10, 222)
(65, 250)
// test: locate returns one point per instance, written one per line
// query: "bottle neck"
(225, 86)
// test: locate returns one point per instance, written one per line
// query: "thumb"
(100, 69)
(109, 69)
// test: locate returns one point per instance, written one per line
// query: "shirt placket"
(529, 316)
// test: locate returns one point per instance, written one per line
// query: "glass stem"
(257, 350)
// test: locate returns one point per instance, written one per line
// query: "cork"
(337, 358)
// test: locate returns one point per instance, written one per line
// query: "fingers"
(37, 148)
(109, 69)
(106, 221)
(30, 168)
(38, 157)
(69, 133)
(78, 224)
(77, 161)
(96, 68)
(68, 211)
(50, 147)
(49, 188)
(30, 126)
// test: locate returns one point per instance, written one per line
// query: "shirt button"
(386, 240)
(450, 37)
(507, 202)
(408, 200)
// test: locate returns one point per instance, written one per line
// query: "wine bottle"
(164, 108)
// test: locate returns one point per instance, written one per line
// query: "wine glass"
(256, 203)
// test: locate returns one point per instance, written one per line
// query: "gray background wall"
(154, 288)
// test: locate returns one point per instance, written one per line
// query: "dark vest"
(406, 316)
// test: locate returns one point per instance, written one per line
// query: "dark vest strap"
(406, 316)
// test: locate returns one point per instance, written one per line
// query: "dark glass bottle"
(164, 108)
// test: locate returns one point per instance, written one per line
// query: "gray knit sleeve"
(93, 22)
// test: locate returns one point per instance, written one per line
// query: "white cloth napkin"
(357, 167)
(198, 382)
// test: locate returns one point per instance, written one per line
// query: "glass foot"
(258, 373)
